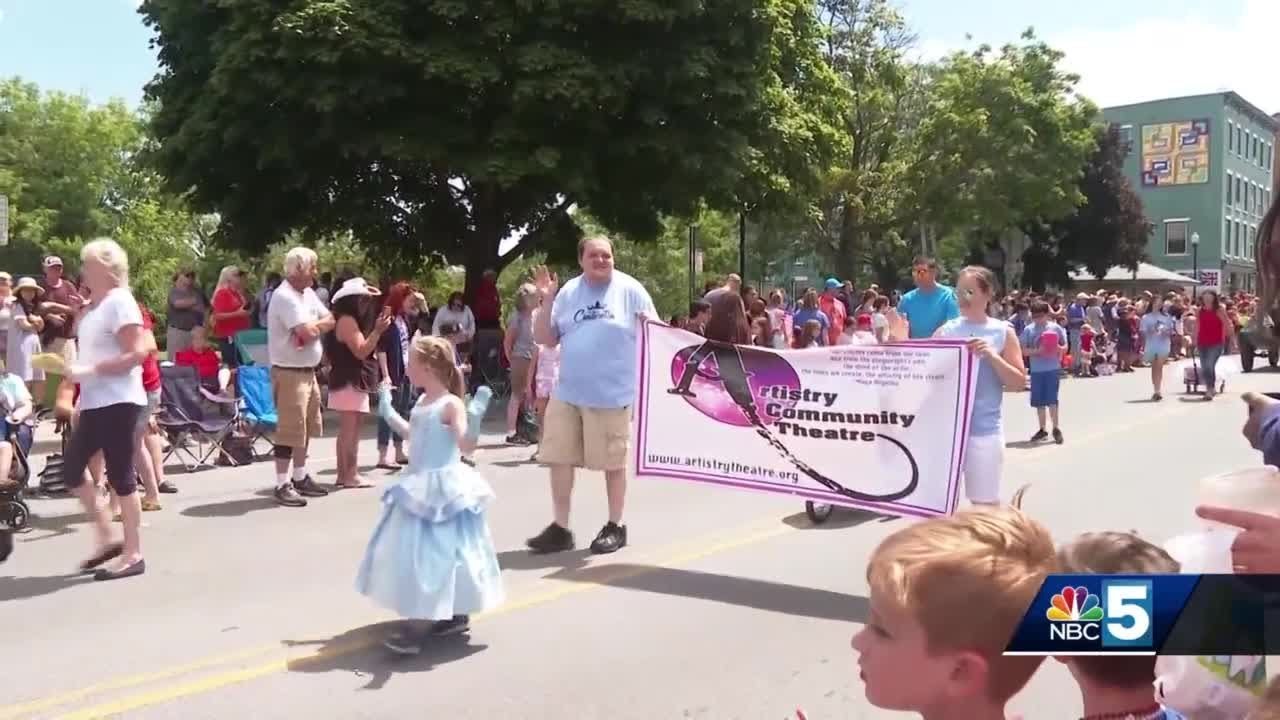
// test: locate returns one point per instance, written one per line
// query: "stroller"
(14, 511)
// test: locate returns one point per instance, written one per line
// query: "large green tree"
(64, 165)
(869, 196)
(439, 128)
(1003, 139)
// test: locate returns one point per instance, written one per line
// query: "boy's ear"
(969, 675)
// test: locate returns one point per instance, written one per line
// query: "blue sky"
(1125, 50)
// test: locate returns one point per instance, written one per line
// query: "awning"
(1146, 273)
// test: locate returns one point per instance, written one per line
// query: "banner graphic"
(879, 427)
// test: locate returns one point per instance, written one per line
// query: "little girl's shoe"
(456, 625)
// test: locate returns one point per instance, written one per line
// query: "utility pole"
(742, 245)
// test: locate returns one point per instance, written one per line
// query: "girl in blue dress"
(431, 556)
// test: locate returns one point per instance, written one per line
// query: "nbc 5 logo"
(1121, 617)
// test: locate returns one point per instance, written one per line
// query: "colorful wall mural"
(1175, 153)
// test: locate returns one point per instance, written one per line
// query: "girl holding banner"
(1000, 366)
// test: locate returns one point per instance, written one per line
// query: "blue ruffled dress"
(431, 556)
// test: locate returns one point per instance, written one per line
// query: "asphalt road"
(726, 605)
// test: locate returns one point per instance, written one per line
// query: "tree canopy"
(436, 128)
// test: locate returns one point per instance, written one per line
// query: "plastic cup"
(1252, 490)
(1206, 552)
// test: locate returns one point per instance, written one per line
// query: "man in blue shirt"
(594, 319)
(930, 304)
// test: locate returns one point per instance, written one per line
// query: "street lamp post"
(1195, 263)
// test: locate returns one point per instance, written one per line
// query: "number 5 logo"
(1128, 613)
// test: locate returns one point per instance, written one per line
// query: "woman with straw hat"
(24, 338)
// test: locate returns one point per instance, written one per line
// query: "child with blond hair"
(946, 596)
(1116, 686)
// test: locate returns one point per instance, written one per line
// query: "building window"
(1226, 234)
(1230, 177)
(1235, 239)
(1175, 237)
(1126, 138)
(1231, 136)
(1239, 193)
(1249, 244)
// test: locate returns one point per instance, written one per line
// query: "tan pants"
(591, 438)
(298, 415)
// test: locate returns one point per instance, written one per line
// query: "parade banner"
(879, 427)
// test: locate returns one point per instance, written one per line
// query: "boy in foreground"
(946, 596)
(1117, 686)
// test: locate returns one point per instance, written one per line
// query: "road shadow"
(21, 588)
(1193, 399)
(52, 526)
(1141, 401)
(230, 508)
(1026, 444)
(363, 469)
(526, 560)
(514, 463)
(360, 653)
(729, 589)
(839, 519)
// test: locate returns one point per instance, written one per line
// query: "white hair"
(110, 255)
(298, 260)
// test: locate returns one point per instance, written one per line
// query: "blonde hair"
(110, 255)
(524, 293)
(438, 355)
(226, 274)
(298, 260)
(968, 579)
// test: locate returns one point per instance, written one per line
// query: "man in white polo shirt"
(296, 321)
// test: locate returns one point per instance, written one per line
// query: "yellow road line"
(285, 664)
(133, 680)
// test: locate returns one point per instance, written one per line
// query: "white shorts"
(983, 468)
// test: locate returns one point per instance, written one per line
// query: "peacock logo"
(1074, 605)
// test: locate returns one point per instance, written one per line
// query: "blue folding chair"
(257, 405)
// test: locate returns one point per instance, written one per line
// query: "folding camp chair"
(257, 406)
(184, 420)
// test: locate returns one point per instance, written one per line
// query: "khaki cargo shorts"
(591, 438)
(297, 395)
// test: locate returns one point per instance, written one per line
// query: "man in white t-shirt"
(594, 321)
(296, 322)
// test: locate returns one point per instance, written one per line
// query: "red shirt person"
(230, 313)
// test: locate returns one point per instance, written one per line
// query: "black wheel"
(1273, 358)
(18, 515)
(1247, 355)
(818, 512)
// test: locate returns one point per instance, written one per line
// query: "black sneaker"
(1057, 436)
(1040, 435)
(404, 642)
(455, 626)
(307, 486)
(553, 539)
(612, 538)
(517, 439)
(288, 496)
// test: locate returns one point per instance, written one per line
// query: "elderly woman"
(231, 313)
(112, 348)
(521, 353)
